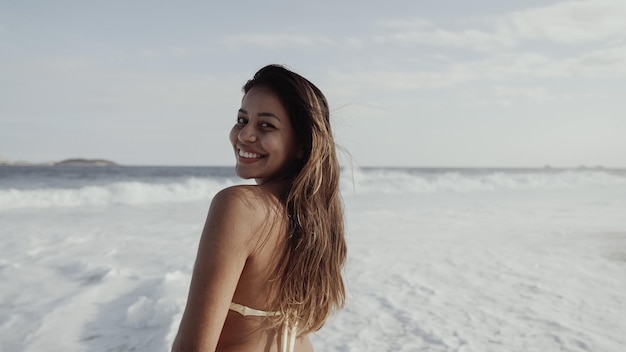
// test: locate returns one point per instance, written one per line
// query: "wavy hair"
(308, 286)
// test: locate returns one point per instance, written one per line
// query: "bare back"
(245, 232)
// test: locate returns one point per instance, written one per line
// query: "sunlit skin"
(244, 230)
(263, 139)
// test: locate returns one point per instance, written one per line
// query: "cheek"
(233, 136)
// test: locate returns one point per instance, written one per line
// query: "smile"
(247, 155)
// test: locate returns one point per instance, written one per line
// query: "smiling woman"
(268, 268)
(264, 141)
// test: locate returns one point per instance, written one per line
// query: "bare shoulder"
(247, 206)
(249, 192)
(245, 197)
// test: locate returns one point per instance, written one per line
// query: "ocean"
(439, 259)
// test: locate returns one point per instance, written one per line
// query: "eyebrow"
(264, 114)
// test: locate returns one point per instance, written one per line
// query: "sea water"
(100, 258)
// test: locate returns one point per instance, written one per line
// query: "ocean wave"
(388, 181)
(118, 193)
(355, 181)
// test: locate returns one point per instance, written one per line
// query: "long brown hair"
(309, 285)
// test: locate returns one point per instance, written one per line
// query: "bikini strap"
(289, 337)
(247, 311)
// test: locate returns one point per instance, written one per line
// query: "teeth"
(248, 155)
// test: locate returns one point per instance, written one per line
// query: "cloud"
(609, 63)
(499, 67)
(507, 67)
(410, 24)
(573, 22)
(357, 82)
(506, 96)
(585, 39)
(419, 31)
(601, 63)
(568, 22)
(470, 39)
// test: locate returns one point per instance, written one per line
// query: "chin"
(244, 174)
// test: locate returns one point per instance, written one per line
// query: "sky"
(520, 83)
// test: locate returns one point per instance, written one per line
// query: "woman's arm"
(226, 243)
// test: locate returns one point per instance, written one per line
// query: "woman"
(268, 268)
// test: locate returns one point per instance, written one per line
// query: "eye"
(241, 120)
(266, 125)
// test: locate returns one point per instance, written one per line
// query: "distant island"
(66, 162)
(84, 162)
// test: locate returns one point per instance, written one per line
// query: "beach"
(448, 259)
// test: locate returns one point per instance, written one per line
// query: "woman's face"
(263, 139)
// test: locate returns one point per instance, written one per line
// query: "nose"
(247, 134)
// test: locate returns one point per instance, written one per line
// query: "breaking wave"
(119, 193)
(359, 181)
(423, 181)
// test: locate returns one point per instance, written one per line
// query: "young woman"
(268, 268)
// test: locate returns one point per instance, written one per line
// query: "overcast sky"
(476, 83)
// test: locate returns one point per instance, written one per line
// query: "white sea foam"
(403, 181)
(118, 193)
(378, 181)
(477, 262)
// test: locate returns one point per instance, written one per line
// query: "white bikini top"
(289, 333)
